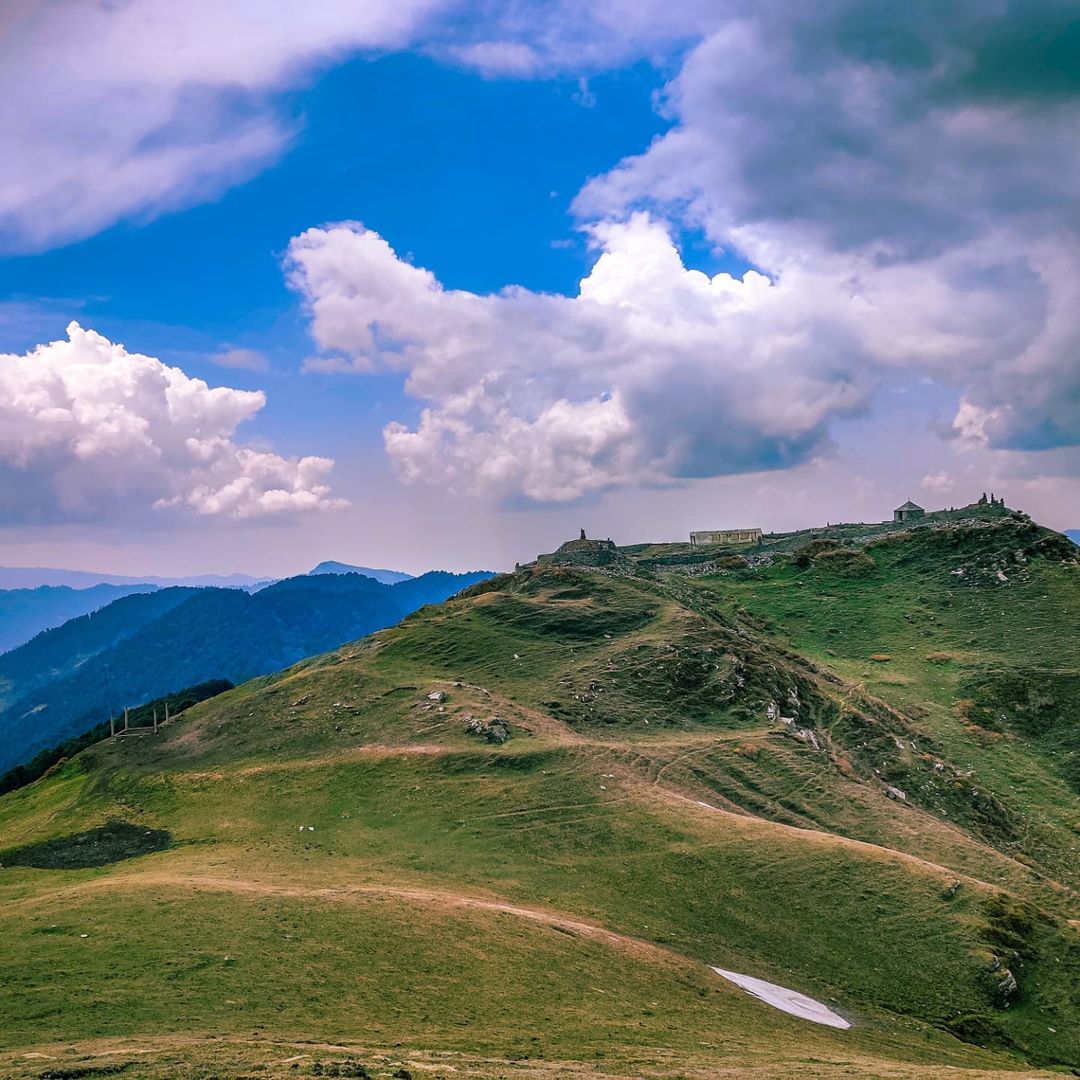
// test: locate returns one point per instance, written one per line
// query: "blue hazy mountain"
(32, 577)
(387, 577)
(1073, 535)
(24, 613)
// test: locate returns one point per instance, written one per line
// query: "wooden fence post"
(112, 726)
(155, 718)
(125, 718)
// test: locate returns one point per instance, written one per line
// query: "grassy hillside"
(69, 679)
(511, 836)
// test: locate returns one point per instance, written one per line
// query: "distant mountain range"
(141, 646)
(1073, 535)
(26, 612)
(387, 577)
(33, 577)
(33, 599)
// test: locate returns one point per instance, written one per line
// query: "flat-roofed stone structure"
(725, 536)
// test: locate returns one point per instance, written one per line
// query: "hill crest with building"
(754, 545)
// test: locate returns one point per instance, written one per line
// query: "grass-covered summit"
(512, 835)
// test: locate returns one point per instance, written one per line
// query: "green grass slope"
(511, 835)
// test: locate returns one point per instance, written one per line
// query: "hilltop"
(514, 834)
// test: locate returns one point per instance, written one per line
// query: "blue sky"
(471, 176)
(882, 308)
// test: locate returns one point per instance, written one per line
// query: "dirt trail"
(221, 1054)
(163, 878)
(378, 751)
(822, 837)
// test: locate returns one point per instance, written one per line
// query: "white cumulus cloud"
(90, 431)
(241, 359)
(923, 158)
(652, 373)
(940, 483)
(121, 109)
(904, 185)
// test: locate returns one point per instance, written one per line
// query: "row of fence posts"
(113, 732)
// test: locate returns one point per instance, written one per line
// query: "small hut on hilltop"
(908, 512)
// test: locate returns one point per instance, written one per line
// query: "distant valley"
(35, 599)
(26, 612)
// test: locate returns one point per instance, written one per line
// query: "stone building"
(725, 536)
(908, 512)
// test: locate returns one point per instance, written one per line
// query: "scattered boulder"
(494, 731)
(437, 696)
(804, 735)
(1004, 987)
(348, 1067)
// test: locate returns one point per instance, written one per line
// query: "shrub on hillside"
(731, 562)
(845, 561)
(809, 552)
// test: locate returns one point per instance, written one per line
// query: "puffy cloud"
(129, 108)
(652, 373)
(940, 483)
(494, 58)
(241, 360)
(543, 37)
(90, 431)
(903, 184)
(923, 159)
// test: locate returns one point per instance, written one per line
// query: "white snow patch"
(789, 1001)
